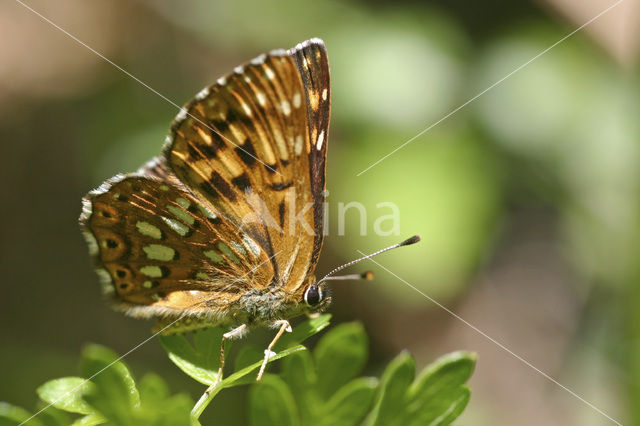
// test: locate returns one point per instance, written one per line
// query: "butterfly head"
(316, 296)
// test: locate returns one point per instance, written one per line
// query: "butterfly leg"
(235, 333)
(284, 326)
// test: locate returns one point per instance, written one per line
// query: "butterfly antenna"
(367, 275)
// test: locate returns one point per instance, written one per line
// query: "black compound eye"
(313, 295)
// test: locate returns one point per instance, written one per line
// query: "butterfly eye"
(312, 295)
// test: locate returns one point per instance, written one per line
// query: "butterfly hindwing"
(162, 251)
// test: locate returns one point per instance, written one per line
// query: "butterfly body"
(225, 228)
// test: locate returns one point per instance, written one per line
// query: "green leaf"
(438, 395)
(115, 392)
(447, 372)
(271, 403)
(66, 394)
(206, 343)
(157, 407)
(52, 416)
(350, 404)
(90, 420)
(153, 390)
(173, 411)
(12, 415)
(201, 366)
(299, 373)
(394, 383)
(449, 410)
(340, 355)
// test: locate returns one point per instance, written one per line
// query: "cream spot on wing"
(181, 214)
(239, 69)
(202, 276)
(239, 248)
(298, 145)
(168, 139)
(159, 252)
(204, 135)
(105, 279)
(152, 271)
(228, 252)
(193, 292)
(314, 100)
(183, 202)
(262, 99)
(147, 284)
(208, 213)
(297, 100)
(237, 131)
(247, 79)
(202, 94)
(320, 140)
(286, 108)
(269, 156)
(269, 73)
(251, 245)
(149, 230)
(164, 187)
(324, 94)
(259, 60)
(214, 256)
(222, 81)
(281, 144)
(234, 168)
(246, 108)
(92, 243)
(182, 114)
(176, 226)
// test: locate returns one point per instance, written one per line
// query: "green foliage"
(322, 388)
(109, 394)
(200, 358)
(313, 388)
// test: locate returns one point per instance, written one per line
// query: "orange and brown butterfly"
(225, 228)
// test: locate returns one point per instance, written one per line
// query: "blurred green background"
(527, 199)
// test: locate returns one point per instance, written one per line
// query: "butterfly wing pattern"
(226, 226)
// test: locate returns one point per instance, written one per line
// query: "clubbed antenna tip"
(410, 241)
(369, 276)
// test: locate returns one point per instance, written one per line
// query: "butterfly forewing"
(236, 203)
(254, 145)
(313, 62)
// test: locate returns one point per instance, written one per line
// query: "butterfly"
(226, 226)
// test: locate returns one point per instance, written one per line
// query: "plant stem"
(204, 401)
